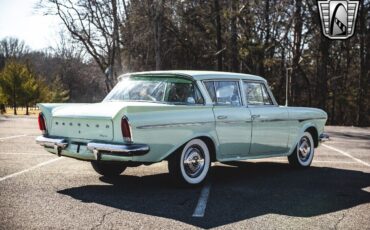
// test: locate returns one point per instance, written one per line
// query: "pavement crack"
(102, 219)
(340, 220)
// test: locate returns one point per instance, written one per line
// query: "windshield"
(156, 89)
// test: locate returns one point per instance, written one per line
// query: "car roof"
(202, 75)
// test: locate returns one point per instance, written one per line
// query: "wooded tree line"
(266, 38)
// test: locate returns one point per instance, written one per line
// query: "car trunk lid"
(82, 128)
(84, 121)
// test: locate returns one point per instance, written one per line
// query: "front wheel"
(108, 169)
(302, 155)
(191, 166)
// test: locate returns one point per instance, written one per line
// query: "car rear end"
(83, 137)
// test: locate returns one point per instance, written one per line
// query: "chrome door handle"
(221, 117)
(255, 116)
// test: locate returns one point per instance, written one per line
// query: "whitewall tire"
(302, 155)
(191, 165)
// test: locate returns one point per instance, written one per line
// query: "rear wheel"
(108, 169)
(191, 165)
(302, 155)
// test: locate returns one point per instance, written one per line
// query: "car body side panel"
(233, 128)
(167, 128)
(270, 130)
(299, 119)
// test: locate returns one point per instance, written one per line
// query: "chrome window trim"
(237, 80)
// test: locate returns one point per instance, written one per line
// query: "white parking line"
(314, 161)
(29, 169)
(346, 154)
(11, 137)
(30, 154)
(202, 202)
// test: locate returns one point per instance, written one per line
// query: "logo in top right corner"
(338, 18)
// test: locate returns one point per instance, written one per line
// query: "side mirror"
(190, 100)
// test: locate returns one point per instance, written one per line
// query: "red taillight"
(42, 124)
(125, 128)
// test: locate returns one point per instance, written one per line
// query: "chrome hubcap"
(193, 161)
(304, 149)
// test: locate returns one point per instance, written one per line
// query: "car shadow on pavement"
(240, 190)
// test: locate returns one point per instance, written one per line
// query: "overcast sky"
(19, 19)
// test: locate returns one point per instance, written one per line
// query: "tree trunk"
(218, 35)
(263, 52)
(14, 98)
(362, 87)
(296, 50)
(27, 113)
(322, 71)
(129, 35)
(158, 14)
(116, 44)
(234, 37)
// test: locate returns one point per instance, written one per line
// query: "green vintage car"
(189, 118)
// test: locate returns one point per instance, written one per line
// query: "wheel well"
(209, 142)
(315, 136)
(211, 146)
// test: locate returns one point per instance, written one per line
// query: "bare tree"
(13, 48)
(157, 15)
(218, 35)
(234, 37)
(95, 24)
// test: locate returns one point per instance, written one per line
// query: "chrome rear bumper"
(52, 142)
(97, 148)
(118, 149)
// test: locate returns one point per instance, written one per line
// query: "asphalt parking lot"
(39, 190)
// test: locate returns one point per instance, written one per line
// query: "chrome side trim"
(273, 120)
(306, 119)
(234, 122)
(187, 124)
(288, 119)
(51, 142)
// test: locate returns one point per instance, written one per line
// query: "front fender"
(306, 125)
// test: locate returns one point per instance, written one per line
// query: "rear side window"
(182, 93)
(156, 89)
(224, 92)
(256, 94)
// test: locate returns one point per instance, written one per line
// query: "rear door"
(270, 124)
(233, 121)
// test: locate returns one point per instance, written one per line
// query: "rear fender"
(47, 111)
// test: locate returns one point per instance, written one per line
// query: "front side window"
(256, 94)
(224, 92)
(156, 89)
